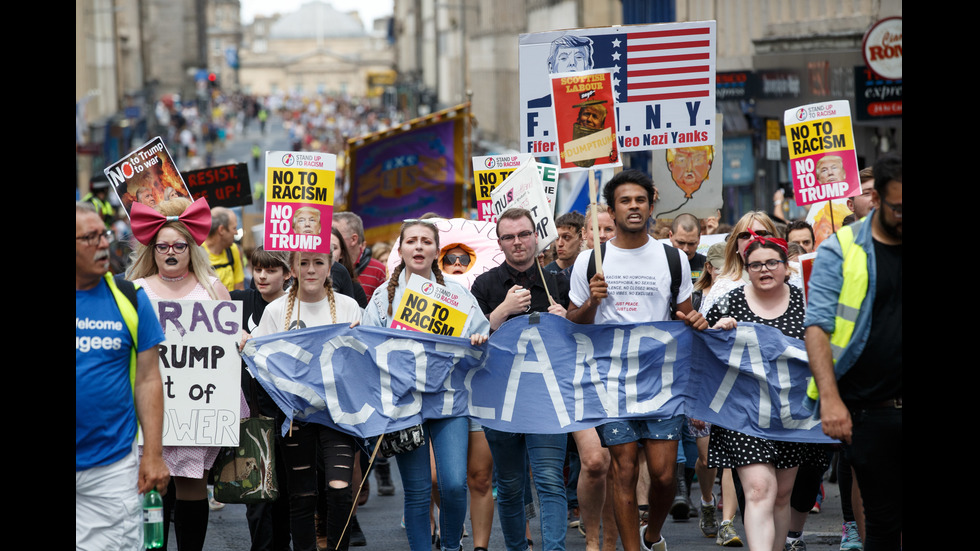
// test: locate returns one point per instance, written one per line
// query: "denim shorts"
(632, 430)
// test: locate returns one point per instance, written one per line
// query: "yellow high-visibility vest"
(131, 319)
(852, 292)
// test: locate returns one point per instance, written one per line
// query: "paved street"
(380, 520)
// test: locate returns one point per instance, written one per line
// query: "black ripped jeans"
(335, 451)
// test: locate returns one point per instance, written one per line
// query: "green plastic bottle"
(152, 520)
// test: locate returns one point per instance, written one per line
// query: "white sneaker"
(658, 546)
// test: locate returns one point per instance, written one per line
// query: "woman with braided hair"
(419, 251)
(311, 302)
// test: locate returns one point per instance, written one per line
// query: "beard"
(892, 229)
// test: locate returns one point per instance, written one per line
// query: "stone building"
(316, 49)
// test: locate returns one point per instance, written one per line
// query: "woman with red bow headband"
(170, 264)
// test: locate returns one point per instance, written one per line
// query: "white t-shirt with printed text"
(638, 281)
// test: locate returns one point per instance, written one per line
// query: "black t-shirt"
(253, 306)
(697, 266)
(343, 284)
(490, 288)
(877, 375)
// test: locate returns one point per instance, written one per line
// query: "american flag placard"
(663, 78)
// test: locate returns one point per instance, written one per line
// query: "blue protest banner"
(538, 374)
(752, 380)
(545, 374)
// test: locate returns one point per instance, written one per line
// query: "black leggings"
(335, 451)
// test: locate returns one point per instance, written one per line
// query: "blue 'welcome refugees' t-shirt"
(105, 416)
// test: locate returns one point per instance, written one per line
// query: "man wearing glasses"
(507, 291)
(854, 341)
(116, 364)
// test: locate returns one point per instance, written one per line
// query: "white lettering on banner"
(633, 369)
(585, 356)
(421, 363)
(782, 370)
(337, 412)
(542, 366)
(450, 394)
(202, 426)
(745, 337)
(261, 357)
(482, 412)
(615, 366)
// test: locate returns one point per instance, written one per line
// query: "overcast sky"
(368, 9)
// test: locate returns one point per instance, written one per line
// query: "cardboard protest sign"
(490, 171)
(826, 219)
(429, 307)
(689, 180)
(524, 189)
(585, 115)
(822, 158)
(663, 80)
(201, 371)
(299, 201)
(549, 177)
(222, 186)
(147, 175)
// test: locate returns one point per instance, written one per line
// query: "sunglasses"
(760, 233)
(463, 259)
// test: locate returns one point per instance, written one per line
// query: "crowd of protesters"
(592, 475)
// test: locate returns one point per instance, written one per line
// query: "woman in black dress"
(767, 468)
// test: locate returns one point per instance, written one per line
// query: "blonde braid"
(293, 291)
(333, 303)
(393, 285)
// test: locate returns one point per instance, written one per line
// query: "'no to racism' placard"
(429, 307)
(822, 159)
(299, 201)
(490, 171)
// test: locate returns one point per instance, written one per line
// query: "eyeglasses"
(897, 209)
(95, 237)
(463, 259)
(510, 237)
(760, 233)
(769, 265)
(179, 247)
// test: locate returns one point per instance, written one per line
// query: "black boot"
(382, 472)
(680, 509)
